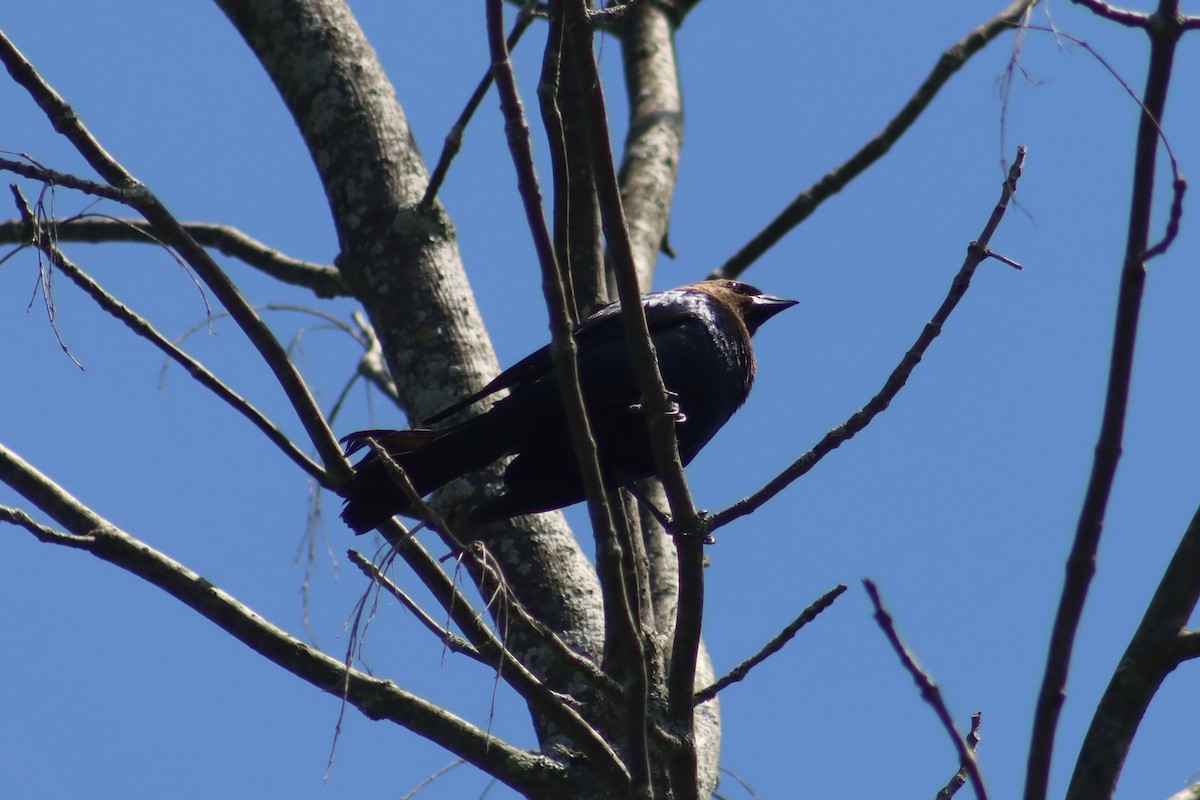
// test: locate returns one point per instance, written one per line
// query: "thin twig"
(835, 180)
(977, 252)
(325, 281)
(423, 510)
(529, 773)
(550, 703)
(930, 693)
(589, 670)
(44, 533)
(431, 778)
(770, 648)
(453, 641)
(144, 329)
(1081, 563)
(959, 778)
(1130, 19)
(454, 138)
(51, 177)
(139, 197)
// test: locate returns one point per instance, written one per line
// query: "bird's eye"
(742, 288)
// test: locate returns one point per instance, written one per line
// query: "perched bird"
(701, 334)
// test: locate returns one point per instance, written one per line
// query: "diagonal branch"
(772, 647)
(930, 692)
(140, 326)
(173, 233)
(977, 252)
(52, 177)
(454, 138)
(835, 180)
(1130, 19)
(528, 773)
(1160, 644)
(959, 778)
(525, 683)
(452, 641)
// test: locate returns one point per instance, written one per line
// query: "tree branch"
(930, 693)
(689, 528)
(402, 260)
(1081, 563)
(1160, 644)
(772, 647)
(959, 778)
(454, 138)
(977, 253)
(454, 642)
(526, 772)
(835, 180)
(324, 281)
(66, 122)
(1130, 19)
(52, 177)
(43, 240)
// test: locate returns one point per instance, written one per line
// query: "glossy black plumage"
(701, 334)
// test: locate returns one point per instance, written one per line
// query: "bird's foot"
(674, 410)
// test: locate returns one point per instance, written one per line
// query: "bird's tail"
(430, 459)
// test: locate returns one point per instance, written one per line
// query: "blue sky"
(960, 500)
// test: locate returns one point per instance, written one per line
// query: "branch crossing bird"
(701, 335)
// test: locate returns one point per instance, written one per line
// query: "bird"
(701, 336)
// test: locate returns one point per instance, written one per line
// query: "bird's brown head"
(752, 305)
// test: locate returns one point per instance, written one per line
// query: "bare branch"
(563, 350)
(143, 200)
(620, 618)
(454, 642)
(834, 181)
(43, 533)
(533, 690)
(774, 646)
(140, 326)
(956, 782)
(1081, 563)
(526, 772)
(654, 139)
(977, 252)
(52, 177)
(1158, 646)
(688, 526)
(1168, 25)
(454, 138)
(930, 693)
(1130, 19)
(1190, 793)
(324, 281)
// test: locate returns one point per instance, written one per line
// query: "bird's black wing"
(603, 326)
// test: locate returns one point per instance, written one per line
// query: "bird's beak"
(763, 307)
